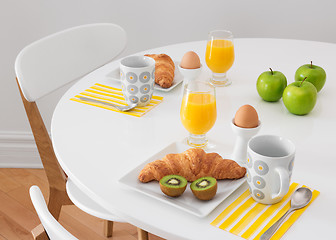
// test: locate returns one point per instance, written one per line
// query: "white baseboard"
(18, 150)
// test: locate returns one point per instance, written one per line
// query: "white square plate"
(187, 201)
(178, 78)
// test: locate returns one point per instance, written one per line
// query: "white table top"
(96, 147)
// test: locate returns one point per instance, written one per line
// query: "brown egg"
(190, 60)
(246, 117)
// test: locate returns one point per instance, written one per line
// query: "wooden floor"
(18, 217)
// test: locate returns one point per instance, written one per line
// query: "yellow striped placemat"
(114, 95)
(249, 219)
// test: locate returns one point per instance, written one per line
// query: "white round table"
(97, 147)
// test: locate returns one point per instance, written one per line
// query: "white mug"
(137, 79)
(270, 161)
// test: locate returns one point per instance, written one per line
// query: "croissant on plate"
(192, 164)
(164, 69)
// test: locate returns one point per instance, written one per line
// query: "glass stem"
(220, 80)
(197, 141)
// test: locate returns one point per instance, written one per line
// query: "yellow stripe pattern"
(248, 219)
(114, 95)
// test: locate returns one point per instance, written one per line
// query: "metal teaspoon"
(300, 198)
(120, 108)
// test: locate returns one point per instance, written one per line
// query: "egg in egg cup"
(190, 66)
(245, 125)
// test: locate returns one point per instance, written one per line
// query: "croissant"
(164, 69)
(192, 164)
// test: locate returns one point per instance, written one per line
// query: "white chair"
(53, 228)
(47, 65)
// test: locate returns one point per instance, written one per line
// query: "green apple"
(300, 97)
(270, 85)
(315, 74)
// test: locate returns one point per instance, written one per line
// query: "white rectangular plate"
(187, 201)
(114, 75)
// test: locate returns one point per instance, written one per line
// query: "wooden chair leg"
(142, 234)
(108, 228)
(57, 199)
(39, 233)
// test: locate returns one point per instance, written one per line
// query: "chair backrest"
(50, 63)
(58, 59)
(52, 227)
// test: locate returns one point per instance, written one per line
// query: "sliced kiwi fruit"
(204, 188)
(173, 185)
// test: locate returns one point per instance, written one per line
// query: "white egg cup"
(239, 153)
(189, 74)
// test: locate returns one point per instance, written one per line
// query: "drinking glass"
(219, 56)
(198, 111)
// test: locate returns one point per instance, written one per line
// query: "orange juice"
(198, 112)
(219, 55)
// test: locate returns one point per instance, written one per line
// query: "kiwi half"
(204, 188)
(173, 185)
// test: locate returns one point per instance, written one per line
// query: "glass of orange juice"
(219, 56)
(198, 111)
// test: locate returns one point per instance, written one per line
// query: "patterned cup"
(270, 161)
(137, 79)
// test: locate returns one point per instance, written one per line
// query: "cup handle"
(284, 183)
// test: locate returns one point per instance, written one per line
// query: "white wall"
(149, 23)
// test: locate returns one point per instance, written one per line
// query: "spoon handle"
(100, 102)
(268, 234)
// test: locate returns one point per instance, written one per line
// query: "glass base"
(197, 141)
(220, 80)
